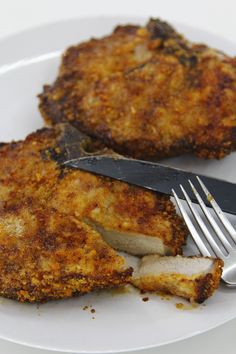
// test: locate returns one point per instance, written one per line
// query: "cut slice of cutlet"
(194, 278)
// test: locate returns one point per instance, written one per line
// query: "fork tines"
(226, 246)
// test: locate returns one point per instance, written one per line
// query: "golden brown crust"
(147, 92)
(196, 288)
(44, 213)
(121, 207)
(48, 255)
(206, 285)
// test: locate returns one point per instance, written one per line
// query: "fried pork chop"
(194, 278)
(52, 219)
(148, 93)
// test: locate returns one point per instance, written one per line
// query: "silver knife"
(156, 177)
(149, 175)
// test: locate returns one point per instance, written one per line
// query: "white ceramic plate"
(122, 323)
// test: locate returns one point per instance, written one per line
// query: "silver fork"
(223, 248)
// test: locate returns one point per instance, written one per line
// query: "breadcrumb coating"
(49, 247)
(148, 93)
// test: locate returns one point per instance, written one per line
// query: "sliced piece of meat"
(194, 278)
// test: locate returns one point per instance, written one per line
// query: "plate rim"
(17, 35)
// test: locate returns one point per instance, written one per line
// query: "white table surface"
(212, 15)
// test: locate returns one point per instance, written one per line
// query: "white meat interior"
(154, 265)
(132, 243)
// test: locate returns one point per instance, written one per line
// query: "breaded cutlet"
(147, 92)
(53, 220)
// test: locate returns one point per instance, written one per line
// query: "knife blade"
(156, 177)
